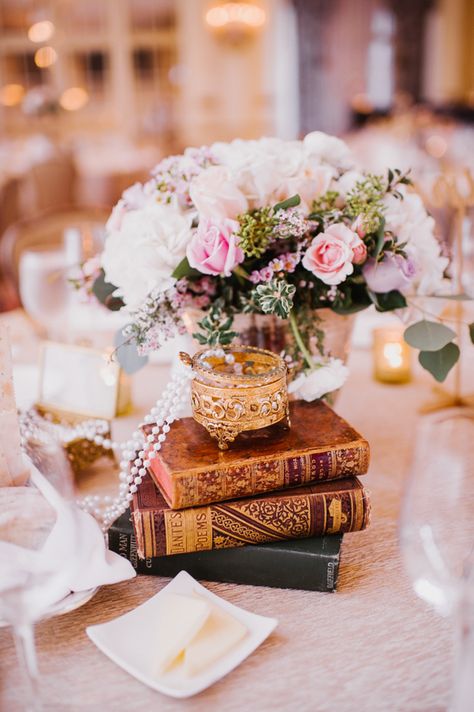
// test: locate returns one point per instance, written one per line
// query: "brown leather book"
(190, 470)
(326, 508)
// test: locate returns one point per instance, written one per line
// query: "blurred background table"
(371, 646)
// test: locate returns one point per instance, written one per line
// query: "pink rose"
(359, 252)
(215, 196)
(351, 238)
(213, 248)
(342, 232)
(329, 258)
(357, 226)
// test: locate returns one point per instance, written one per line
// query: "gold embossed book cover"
(191, 471)
(325, 508)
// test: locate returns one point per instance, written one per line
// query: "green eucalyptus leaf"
(288, 203)
(380, 236)
(113, 303)
(471, 331)
(103, 290)
(428, 335)
(439, 363)
(388, 301)
(184, 269)
(127, 354)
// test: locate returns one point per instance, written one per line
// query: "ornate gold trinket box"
(237, 388)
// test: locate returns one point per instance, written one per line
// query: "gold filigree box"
(237, 388)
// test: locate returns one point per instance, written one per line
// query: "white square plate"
(132, 641)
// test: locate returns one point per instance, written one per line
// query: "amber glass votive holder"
(391, 356)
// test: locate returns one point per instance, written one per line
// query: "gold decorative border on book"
(248, 478)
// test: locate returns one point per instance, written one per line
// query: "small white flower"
(323, 379)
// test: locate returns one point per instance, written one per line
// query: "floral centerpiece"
(271, 227)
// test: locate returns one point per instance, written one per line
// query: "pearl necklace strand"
(134, 455)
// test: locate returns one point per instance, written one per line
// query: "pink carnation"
(213, 248)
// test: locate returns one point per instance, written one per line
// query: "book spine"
(262, 566)
(197, 488)
(161, 532)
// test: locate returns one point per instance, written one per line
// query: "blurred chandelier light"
(235, 20)
(11, 94)
(45, 56)
(41, 31)
(74, 98)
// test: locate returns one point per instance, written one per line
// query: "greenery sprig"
(274, 297)
(216, 326)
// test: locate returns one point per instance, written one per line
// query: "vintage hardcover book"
(308, 564)
(190, 470)
(327, 508)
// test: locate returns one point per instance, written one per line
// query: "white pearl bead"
(137, 481)
(161, 438)
(129, 497)
(156, 447)
(142, 472)
(141, 454)
(146, 463)
(151, 455)
(166, 428)
(134, 470)
(137, 462)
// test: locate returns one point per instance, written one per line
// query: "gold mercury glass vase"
(236, 389)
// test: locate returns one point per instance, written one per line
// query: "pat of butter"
(217, 636)
(179, 619)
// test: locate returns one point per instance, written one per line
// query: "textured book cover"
(308, 564)
(320, 445)
(327, 508)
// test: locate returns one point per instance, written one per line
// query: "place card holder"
(78, 383)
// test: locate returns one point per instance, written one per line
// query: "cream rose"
(216, 196)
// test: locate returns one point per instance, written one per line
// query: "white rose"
(347, 182)
(143, 253)
(311, 182)
(216, 196)
(410, 222)
(328, 149)
(325, 378)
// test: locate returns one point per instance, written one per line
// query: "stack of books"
(270, 511)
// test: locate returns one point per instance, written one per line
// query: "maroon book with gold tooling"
(325, 508)
(190, 470)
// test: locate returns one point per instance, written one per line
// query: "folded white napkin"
(73, 557)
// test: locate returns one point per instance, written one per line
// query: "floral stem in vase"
(298, 338)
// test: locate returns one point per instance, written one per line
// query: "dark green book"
(307, 564)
